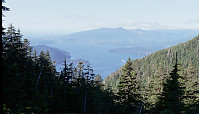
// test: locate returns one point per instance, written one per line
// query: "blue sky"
(67, 16)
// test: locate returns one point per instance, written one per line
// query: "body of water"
(102, 61)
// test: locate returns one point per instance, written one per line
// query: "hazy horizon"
(58, 34)
(65, 16)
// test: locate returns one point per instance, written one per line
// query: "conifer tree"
(89, 74)
(17, 75)
(156, 86)
(79, 72)
(172, 95)
(66, 82)
(191, 99)
(145, 92)
(128, 88)
(4, 8)
(46, 82)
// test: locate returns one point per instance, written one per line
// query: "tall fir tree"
(17, 77)
(128, 88)
(171, 99)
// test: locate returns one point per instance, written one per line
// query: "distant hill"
(58, 55)
(147, 66)
(152, 39)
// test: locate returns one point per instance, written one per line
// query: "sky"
(68, 16)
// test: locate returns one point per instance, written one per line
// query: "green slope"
(148, 66)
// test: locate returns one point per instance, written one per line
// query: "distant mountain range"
(152, 39)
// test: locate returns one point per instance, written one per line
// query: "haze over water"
(102, 61)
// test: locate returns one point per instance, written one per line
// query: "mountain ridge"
(135, 37)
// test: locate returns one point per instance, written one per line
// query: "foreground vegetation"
(164, 82)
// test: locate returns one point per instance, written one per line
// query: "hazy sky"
(66, 16)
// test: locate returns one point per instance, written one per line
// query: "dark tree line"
(31, 84)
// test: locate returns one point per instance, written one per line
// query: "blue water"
(102, 61)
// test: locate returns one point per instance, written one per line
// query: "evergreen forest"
(165, 82)
(153, 73)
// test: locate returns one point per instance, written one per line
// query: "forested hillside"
(153, 71)
(146, 67)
